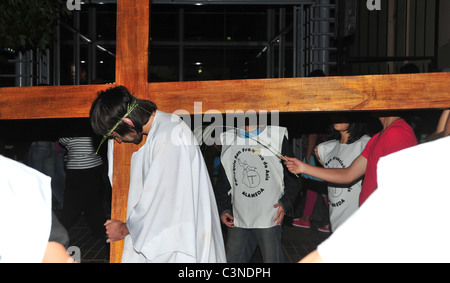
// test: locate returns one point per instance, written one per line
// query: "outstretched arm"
(332, 175)
(447, 125)
(443, 127)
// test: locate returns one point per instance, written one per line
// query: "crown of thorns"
(130, 108)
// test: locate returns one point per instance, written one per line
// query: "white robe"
(25, 213)
(172, 213)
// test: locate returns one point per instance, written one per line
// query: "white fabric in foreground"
(25, 213)
(406, 218)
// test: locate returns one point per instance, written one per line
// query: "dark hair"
(355, 129)
(409, 68)
(316, 73)
(111, 105)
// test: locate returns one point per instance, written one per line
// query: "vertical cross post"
(133, 18)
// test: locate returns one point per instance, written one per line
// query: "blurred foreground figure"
(26, 216)
(412, 178)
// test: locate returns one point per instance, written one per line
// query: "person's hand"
(56, 253)
(294, 165)
(227, 219)
(116, 230)
(280, 214)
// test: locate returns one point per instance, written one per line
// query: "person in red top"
(395, 136)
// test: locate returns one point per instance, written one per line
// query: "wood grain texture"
(132, 46)
(47, 101)
(362, 93)
(133, 18)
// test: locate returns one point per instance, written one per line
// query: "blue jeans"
(242, 243)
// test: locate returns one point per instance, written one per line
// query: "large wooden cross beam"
(364, 93)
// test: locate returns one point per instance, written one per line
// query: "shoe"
(325, 229)
(302, 224)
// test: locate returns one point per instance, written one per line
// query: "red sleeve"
(369, 145)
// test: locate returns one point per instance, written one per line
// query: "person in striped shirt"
(84, 185)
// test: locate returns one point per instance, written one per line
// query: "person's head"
(111, 106)
(409, 68)
(316, 73)
(348, 124)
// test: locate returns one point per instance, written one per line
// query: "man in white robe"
(171, 214)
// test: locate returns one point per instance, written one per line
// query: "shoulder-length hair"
(112, 104)
(357, 128)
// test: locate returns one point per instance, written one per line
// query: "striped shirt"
(80, 153)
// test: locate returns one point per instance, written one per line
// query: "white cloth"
(172, 213)
(25, 213)
(256, 175)
(388, 227)
(343, 201)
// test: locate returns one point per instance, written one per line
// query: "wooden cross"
(362, 93)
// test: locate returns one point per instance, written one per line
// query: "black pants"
(85, 192)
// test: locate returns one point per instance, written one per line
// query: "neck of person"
(251, 128)
(344, 137)
(388, 121)
(148, 126)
